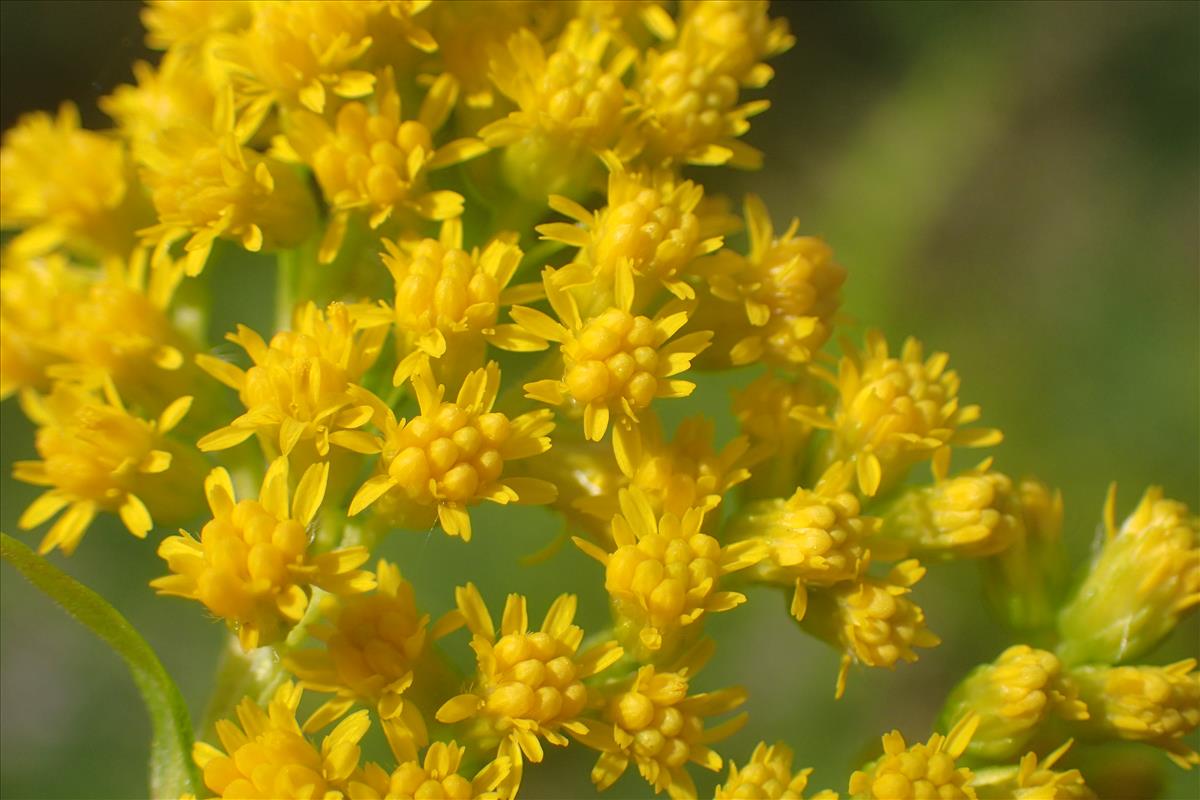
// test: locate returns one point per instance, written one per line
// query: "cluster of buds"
(493, 277)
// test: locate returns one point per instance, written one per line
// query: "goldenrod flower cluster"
(497, 264)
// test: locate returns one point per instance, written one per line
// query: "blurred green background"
(1016, 183)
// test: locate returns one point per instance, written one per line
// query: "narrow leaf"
(172, 772)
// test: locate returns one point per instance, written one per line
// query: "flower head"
(448, 300)
(1157, 705)
(206, 185)
(653, 721)
(435, 776)
(768, 776)
(816, 537)
(734, 36)
(97, 456)
(1032, 780)
(374, 161)
(179, 92)
(1022, 583)
(371, 643)
(268, 756)
(923, 770)
(969, 516)
(615, 363)
(185, 24)
(664, 574)
(67, 186)
(651, 231)
(251, 565)
(302, 387)
(1140, 583)
(1013, 696)
(528, 684)
(872, 620)
(775, 304)
(895, 411)
(35, 297)
(452, 455)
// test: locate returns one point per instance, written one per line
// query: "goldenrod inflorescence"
(496, 260)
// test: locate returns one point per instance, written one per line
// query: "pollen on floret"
(302, 387)
(453, 454)
(251, 565)
(97, 456)
(268, 755)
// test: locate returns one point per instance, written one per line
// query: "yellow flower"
(969, 516)
(872, 620)
(35, 297)
(764, 410)
(528, 684)
(370, 646)
(653, 721)
(1023, 582)
(436, 776)
(1032, 780)
(179, 92)
(97, 456)
(650, 231)
(67, 186)
(452, 455)
(734, 37)
(923, 770)
(775, 304)
(690, 112)
(1156, 705)
(303, 387)
(893, 412)
(375, 161)
(768, 776)
(817, 537)
(686, 472)
(251, 565)
(205, 185)
(664, 573)
(268, 756)
(568, 102)
(185, 24)
(1013, 696)
(296, 53)
(448, 300)
(614, 363)
(628, 20)
(1143, 580)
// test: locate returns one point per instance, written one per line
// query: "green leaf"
(172, 772)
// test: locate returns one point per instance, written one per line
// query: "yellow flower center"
(535, 678)
(448, 455)
(411, 782)
(369, 158)
(657, 237)
(662, 575)
(690, 102)
(898, 397)
(572, 90)
(247, 555)
(614, 356)
(377, 636)
(661, 732)
(441, 288)
(916, 773)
